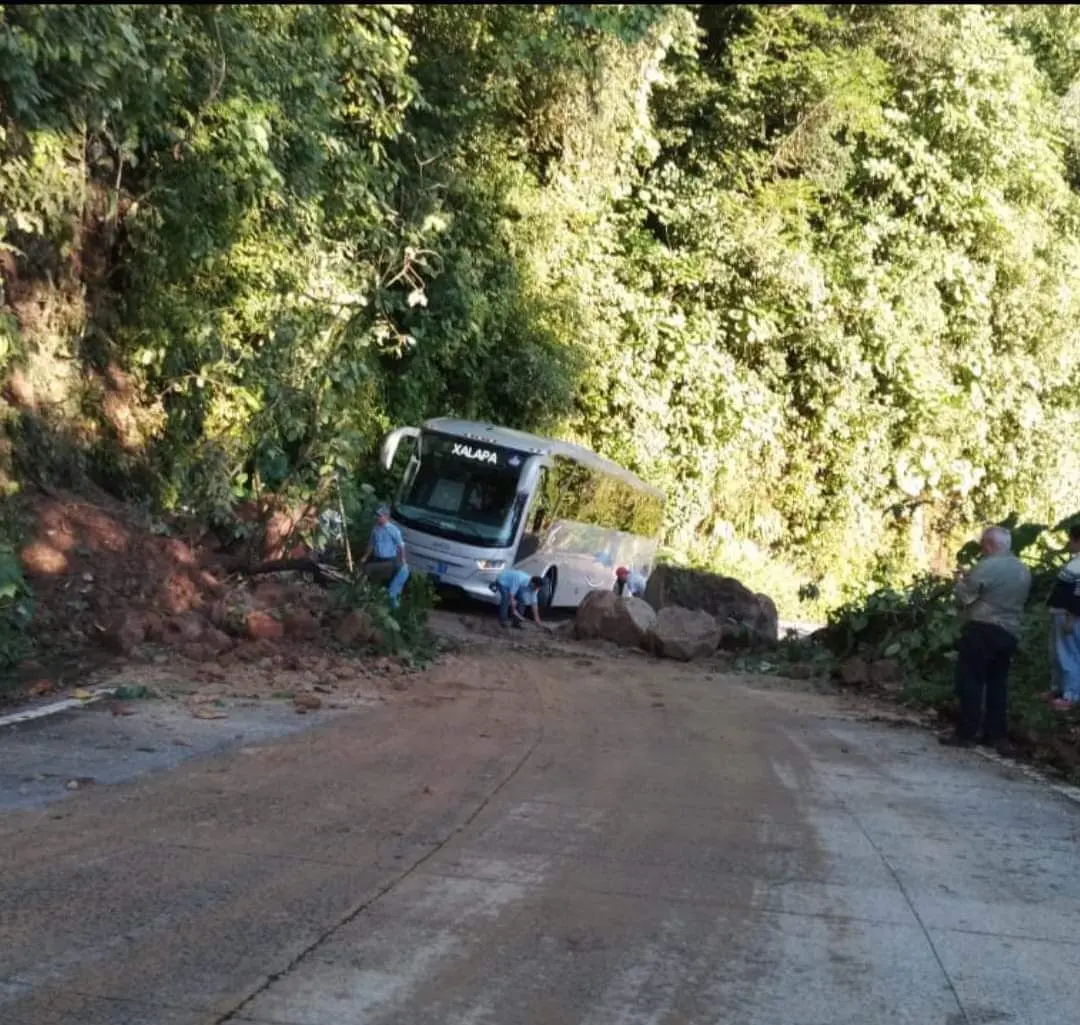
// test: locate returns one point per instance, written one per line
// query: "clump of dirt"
(88, 560)
(110, 582)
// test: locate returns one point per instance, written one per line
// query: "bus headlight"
(490, 564)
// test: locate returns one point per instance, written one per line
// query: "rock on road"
(561, 840)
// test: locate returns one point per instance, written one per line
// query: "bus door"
(538, 512)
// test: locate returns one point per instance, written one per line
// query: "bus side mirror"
(391, 442)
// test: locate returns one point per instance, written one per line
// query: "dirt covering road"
(566, 835)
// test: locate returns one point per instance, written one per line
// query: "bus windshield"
(463, 490)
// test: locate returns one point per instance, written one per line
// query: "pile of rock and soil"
(685, 615)
(110, 584)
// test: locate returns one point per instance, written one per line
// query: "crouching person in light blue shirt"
(384, 557)
(516, 588)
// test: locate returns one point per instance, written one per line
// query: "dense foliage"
(16, 607)
(403, 631)
(814, 270)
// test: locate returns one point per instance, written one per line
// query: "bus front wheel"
(547, 592)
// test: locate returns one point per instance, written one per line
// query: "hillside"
(814, 270)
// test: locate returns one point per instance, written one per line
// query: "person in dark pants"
(516, 589)
(992, 597)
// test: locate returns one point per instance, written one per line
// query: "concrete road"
(562, 840)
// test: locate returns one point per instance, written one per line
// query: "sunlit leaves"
(812, 268)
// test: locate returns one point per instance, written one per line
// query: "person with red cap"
(629, 584)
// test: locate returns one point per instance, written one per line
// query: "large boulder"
(744, 618)
(766, 626)
(605, 616)
(595, 607)
(684, 634)
(631, 623)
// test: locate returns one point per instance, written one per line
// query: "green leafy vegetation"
(814, 270)
(402, 631)
(132, 692)
(16, 609)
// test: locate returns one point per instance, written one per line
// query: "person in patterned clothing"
(1064, 602)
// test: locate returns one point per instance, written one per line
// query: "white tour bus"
(475, 498)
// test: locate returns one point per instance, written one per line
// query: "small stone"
(182, 630)
(854, 672)
(199, 652)
(260, 626)
(301, 625)
(209, 713)
(124, 632)
(886, 672)
(357, 628)
(269, 594)
(217, 640)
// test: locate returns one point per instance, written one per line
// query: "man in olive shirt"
(992, 597)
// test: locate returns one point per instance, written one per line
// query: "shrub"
(16, 609)
(404, 630)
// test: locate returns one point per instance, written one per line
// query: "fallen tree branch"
(321, 571)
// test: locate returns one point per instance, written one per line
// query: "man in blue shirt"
(515, 587)
(384, 557)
